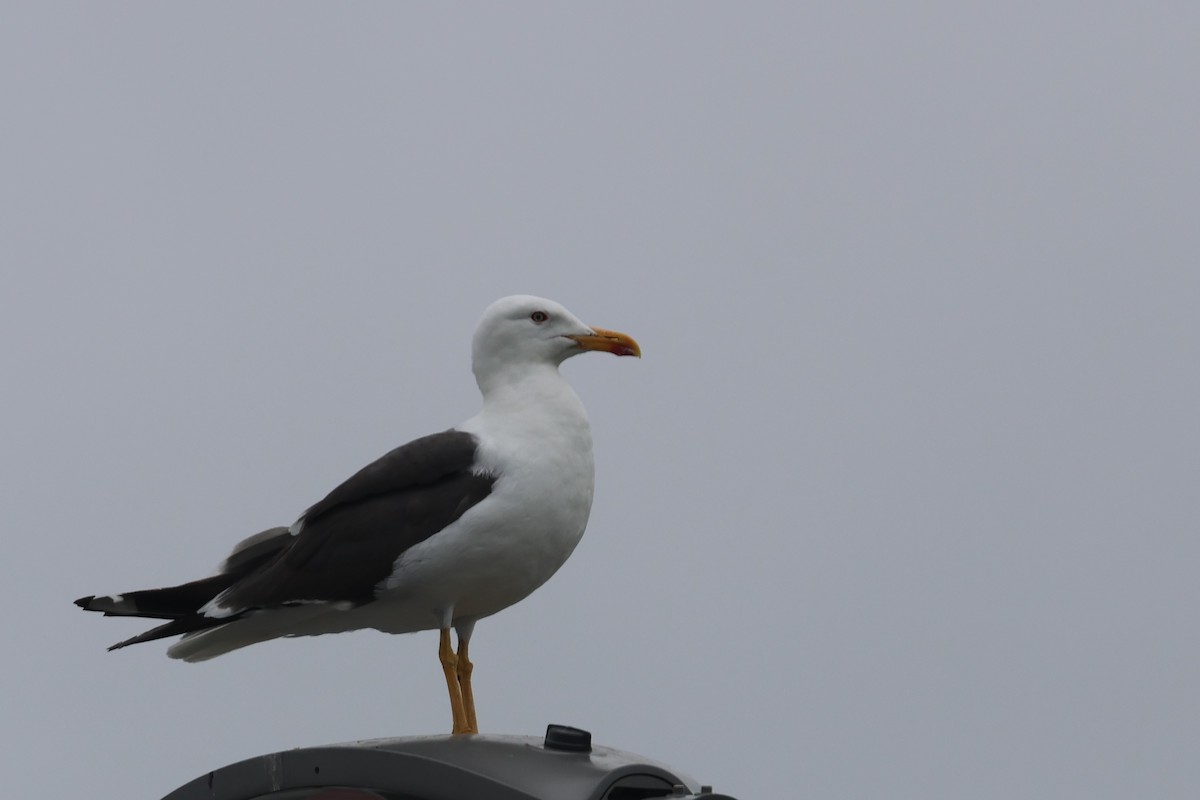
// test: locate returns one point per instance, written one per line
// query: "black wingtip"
(85, 602)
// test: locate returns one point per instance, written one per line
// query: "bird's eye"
(539, 317)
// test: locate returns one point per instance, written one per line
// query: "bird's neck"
(538, 387)
(535, 420)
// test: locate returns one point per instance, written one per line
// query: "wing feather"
(351, 539)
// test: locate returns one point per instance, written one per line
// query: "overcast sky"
(901, 501)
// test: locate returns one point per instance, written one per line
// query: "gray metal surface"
(479, 767)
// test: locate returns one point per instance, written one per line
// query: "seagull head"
(526, 330)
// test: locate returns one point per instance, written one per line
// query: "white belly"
(496, 554)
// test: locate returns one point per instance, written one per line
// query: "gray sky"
(901, 501)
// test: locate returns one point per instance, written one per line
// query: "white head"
(527, 331)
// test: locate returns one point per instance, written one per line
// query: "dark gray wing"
(421, 462)
(351, 539)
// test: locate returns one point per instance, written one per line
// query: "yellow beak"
(619, 344)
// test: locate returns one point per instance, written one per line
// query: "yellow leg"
(465, 668)
(450, 669)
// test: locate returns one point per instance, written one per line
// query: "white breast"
(510, 543)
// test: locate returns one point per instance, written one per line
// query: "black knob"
(564, 737)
